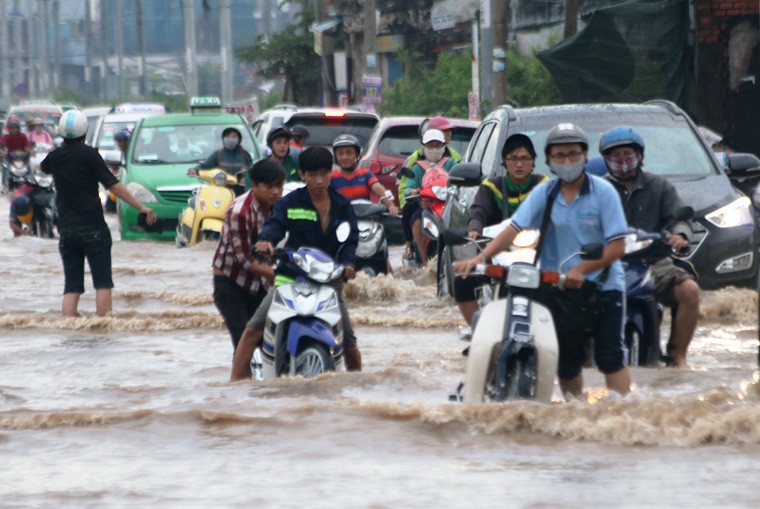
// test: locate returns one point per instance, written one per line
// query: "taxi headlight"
(141, 193)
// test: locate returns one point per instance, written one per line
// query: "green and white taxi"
(161, 150)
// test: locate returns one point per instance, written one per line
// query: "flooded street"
(135, 409)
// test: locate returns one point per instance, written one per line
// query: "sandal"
(408, 253)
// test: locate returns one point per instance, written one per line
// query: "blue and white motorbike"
(303, 334)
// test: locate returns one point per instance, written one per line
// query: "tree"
(289, 55)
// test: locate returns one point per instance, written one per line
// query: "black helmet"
(299, 131)
(227, 130)
(278, 132)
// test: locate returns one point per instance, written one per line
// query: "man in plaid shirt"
(240, 281)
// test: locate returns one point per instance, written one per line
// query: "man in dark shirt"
(650, 203)
(310, 215)
(77, 169)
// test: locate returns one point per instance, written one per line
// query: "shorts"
(610, 353)
(667, 275)
(236, 305)
(259, 319)
(79, 242)
(464, 288)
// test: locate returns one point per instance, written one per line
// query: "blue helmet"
(122, 135)
(619, 136)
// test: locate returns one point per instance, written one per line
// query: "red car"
(393, 141)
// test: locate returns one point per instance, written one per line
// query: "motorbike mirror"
(342, 232)
(455, 236)
(406, 172)
(592, 251)
(466, 175)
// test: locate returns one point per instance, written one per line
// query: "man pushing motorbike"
(650, 203)
(309, 216)
(574, 210)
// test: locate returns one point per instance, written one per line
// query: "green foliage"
(289, 54)
(528, 81)
(425, 91)
(444, 87)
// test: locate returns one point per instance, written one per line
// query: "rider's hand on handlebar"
(264, 247)
(349, 272)
(464, 267)
(192, 172)
(473, 234)
(574, 279)
(678, 243)
(393, 209)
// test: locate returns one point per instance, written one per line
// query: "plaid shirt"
(233, 254)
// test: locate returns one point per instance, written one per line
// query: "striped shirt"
(233, 256)
(355, 187)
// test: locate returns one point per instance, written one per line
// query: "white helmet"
(73, 124)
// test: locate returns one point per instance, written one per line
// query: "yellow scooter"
(204, 215)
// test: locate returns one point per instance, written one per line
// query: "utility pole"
(486, 56)
(141, 45)
(500, 13)
(31, 53)
(87, 48)
(104, 50)
(4, 82)
(45, 60)
(18, 43)
(191, 76)
(119, 47)
(57, 43)
(225, 33)
(265, 6)
(371, 66)
(571, 17)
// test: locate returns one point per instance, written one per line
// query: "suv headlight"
(736, 213)
(141, 193)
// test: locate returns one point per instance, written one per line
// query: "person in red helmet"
(15, 140)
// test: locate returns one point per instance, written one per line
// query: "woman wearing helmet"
(352, 183)
(39, 134)
(15, 140)
(77, 169)
(650, 203)
(576, 209)
(278, 141)
(232, 158)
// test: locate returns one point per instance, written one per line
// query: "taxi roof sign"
(139, 108)
(205, 102)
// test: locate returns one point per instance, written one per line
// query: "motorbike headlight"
(43, 179)
(736, 213)
(220, 179)
(141, 193)
(19, 169)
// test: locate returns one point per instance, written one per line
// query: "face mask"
(230, 142)
(623, 168)
(568, 172)
(433, 154)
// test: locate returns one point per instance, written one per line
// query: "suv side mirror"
(466, 175)
(741, 163)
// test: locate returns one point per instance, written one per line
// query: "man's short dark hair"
(315, 159)
(267, 172)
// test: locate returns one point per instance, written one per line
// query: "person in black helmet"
(278, 141)
(300, 135)
(232, 157)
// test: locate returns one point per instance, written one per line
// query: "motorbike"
(203, 217)
(514, 352)
(372, 250)
(643, 313)
(303, 333)
(40, 220)
(432, 198)
(17, 169)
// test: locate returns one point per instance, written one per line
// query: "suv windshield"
(672, 147)
(401, 141)
(182, 143)
(323, 130)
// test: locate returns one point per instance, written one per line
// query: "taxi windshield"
(181, 143)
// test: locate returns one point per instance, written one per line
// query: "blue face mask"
(568, 172)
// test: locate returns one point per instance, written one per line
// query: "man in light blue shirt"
(586, 209)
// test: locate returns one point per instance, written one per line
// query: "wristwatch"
(388, 196)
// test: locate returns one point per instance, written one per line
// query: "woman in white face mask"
(574, 210)
(434, 165)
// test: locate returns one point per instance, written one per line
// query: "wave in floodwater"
(715, 417)
(118, 322)
(170, 297)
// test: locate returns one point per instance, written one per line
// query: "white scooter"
(303, 333)
(372, 250)
(514, 351)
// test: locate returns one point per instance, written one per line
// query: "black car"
(724, 247)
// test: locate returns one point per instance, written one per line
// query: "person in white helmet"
(77, 169)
